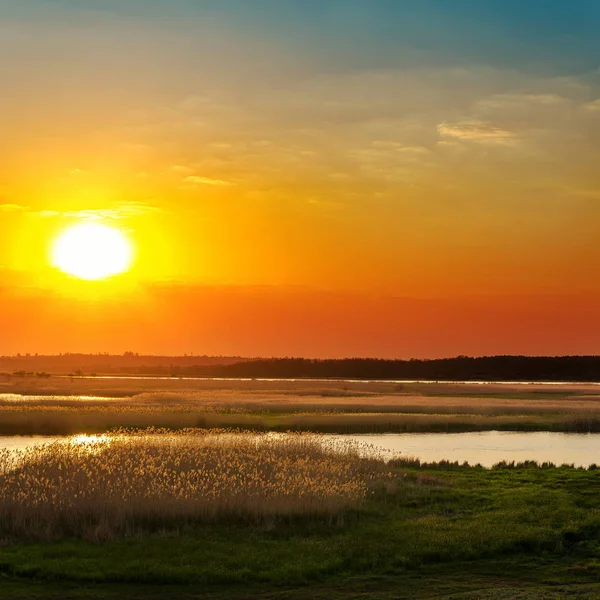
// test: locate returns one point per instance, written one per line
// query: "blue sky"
(546, 35)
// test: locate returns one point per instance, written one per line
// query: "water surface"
(486, 447)
(490, 447)
(20, 442)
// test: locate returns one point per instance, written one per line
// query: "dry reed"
(132, 480)
(318, 406)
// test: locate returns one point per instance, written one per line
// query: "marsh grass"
(428, 537)
(326, 407)
(135, 481)
(51, 419)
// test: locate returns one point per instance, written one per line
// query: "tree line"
(460, 368)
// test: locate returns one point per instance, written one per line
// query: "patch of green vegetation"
(424, 423)
(520, 395)
(448, 531)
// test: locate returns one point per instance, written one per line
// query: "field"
(318, 406)
(439, 531)
(256, 513)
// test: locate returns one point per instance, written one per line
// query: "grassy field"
(433, 531)
(212, 514)
(64, 406)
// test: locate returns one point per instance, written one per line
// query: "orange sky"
(287, 198)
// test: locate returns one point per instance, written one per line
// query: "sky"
(304, 178)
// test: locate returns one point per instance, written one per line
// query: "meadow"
(207, 497)
(424, 531)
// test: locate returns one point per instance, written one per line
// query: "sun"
(92, 251)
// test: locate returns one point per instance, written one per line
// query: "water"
(13, 398)
(20, 442)
(490, 447)
(485, 448)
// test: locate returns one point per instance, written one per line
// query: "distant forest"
(460, 368)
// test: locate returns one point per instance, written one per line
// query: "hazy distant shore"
(460, 368)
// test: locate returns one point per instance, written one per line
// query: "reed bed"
(118, 386)
(69, 420)
(305, 400)
(326, 407)
(132, 481)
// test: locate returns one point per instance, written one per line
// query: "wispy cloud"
(477, 131)
(589, 194)
(520, 101)
(124, 210)
(592, 106)
(196, 180)
(12, 208)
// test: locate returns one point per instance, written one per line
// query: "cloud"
(592, 106)
(385, 127)
(135, 209)
(182, 169)
(124, 210)
(401, 148)
(587, 194)
(520, 101)
(196, 180)
(12, 208)
(478, 132)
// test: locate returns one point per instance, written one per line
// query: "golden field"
(132, 480)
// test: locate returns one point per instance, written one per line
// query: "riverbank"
(445, 531)
(58, 421)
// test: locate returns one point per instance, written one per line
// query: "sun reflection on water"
(87, 440)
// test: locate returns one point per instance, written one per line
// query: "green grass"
(88, 420)
(456, 532)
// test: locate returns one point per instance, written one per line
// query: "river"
(486, 448)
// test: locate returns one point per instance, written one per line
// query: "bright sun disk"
(92, 251)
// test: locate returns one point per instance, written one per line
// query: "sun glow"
(92, 251)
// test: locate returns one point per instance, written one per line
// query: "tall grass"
(84, 418)
(327, 408)
(133, 481)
